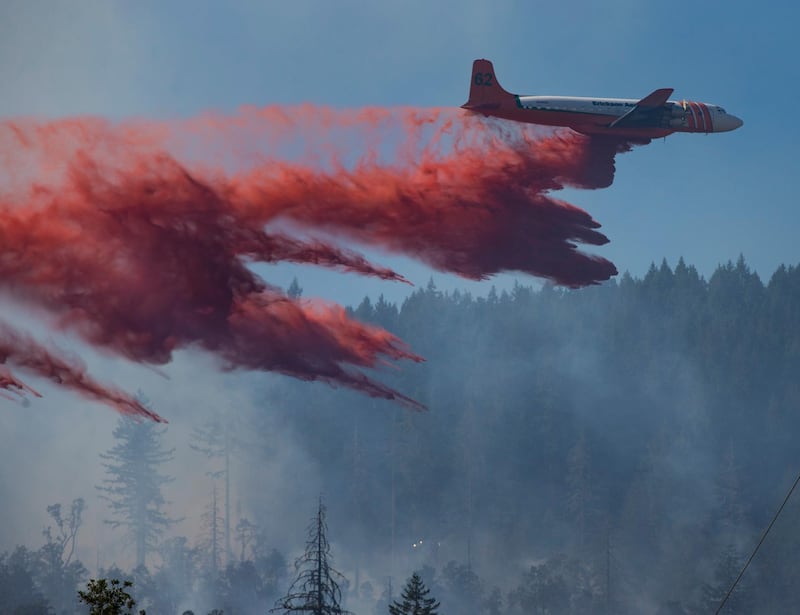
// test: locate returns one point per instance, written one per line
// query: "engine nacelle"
(677, 122)
(677, 110)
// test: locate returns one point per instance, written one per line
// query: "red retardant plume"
(27, 354)
(9, 382)
(141, 254)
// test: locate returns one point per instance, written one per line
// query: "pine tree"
(216, 440)
(581, 501)
(414, 600)
(246, 532)
(315, 589)
(175, 578)
(727, 568)
(212, 523)
(295, 291)
(133, 489)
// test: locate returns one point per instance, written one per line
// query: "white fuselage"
(684, 115)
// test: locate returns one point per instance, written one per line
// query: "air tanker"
(652, 116)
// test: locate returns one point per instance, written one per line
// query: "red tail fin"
(484, 90)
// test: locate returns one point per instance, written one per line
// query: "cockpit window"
(721, 110)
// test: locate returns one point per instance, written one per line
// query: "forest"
(613, 449)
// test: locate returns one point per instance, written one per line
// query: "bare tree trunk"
(228, 551)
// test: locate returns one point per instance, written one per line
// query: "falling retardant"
(139, 237)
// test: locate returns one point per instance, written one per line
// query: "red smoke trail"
(9, 382)
(27, 354)
(142, 254)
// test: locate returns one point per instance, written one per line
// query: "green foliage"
(414, 599)
(19, 594)
(106, 597)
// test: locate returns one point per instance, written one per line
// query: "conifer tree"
(295, 291)
(315, 589)
(414, 599)
(133, 489)
(213, 540)
(217, 441)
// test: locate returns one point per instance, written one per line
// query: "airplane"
(652, 116)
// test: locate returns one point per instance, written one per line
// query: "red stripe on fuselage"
(701, 121)
(707, 117)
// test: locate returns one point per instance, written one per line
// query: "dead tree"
(315, 589)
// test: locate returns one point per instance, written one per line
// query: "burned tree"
(314, 589)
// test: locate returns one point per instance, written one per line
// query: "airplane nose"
(728, 122)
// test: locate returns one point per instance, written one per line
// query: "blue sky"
(707, 198)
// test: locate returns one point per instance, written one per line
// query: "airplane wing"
(652, 101)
